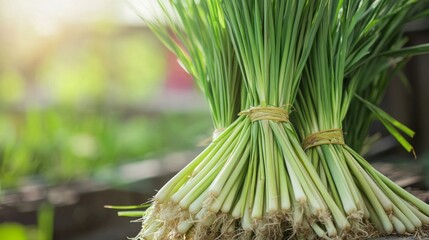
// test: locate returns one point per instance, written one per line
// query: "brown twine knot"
(331, 136)
(266, 113)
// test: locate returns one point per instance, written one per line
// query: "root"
(304, 231)
(269, 227)
(422, 232)
(228, 228)
(360, 227)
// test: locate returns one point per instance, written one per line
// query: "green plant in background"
(80, 107)
(104, 71)
(13, 231)
(12, 86)
(43, 231)
(58, 145)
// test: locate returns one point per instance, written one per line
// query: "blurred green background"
(85, 85)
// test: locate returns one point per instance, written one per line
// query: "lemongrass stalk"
(247, 189)
(409, 225)
(373, 216)
(406, 213)
(420, 215)
(270, 166)
(317, 204)
(318, 230)
(179, 179)
(330, 228)
(285, 203)
(372, 197)
(194, 191)
(230, 198)
(258, 204)
(366, 213)
(398, 225)
(422, 206)
(205, 218)
(400, 205)
(225, 150)
(333, 190)
(240, 152)
(246, 221)
(197, 205)
(184, 226)
(232, 182)
(228, 135)
(321, 172)
(202, 160)
(349, 179)
(338, 175)
(385, 201)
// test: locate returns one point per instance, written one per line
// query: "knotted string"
(266, 113)
(331, 136)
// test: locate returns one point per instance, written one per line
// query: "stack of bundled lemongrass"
(341, 58)
(255, 61)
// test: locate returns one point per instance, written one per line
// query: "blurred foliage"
(43, 231)
(125, 69)
(72, 103)
(13, 231)
(62, 144)
(45, 222)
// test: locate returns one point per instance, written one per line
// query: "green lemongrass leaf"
(388, 118)
(128, 207)
(408, 51)
(195, 31)
(131, 213)
(391, 124)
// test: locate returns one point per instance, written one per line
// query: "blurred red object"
(177, 78)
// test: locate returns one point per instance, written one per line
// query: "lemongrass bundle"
(387, 58)
(253, 180)
(195, 31)
(272, 41)
(373, 204)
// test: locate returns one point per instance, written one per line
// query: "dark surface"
(84, 219)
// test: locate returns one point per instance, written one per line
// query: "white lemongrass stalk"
(184, 226)
(420, 215)
(409, 225)
(197, 205)
(228, 189)
(238, 157)
(398, 225)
